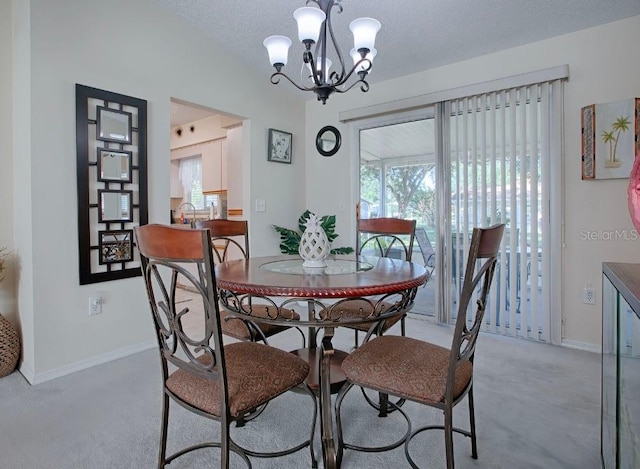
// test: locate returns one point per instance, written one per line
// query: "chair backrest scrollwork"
(485, 246)
(165, 253)
(230, 238)
(386, 237)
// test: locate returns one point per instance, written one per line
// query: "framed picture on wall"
(116, 246)
(610, 139)
(279, 146)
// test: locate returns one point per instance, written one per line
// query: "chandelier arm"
(337, 49)
(323, 53)
(314, 73)
(335, 79)
(364, 88)
(353, 69)
(275, 80)
(368, 64)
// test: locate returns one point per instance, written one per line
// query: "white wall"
(603, 68)
(235, 181)
(137, 49)
(7, 288)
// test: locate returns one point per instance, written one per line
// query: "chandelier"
(314, 27)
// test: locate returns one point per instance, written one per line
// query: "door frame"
(442, 308)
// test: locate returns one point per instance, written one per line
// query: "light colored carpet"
(537, 406)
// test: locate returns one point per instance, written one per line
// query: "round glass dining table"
(381, 287)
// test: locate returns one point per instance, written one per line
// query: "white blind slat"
(501, 148)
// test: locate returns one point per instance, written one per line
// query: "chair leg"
(448, 436)
(314, 461)
(355, 346)
(402, 326)
(338, 405)
(383, 400)
(162, 454)
(472, 425)
(224, 444)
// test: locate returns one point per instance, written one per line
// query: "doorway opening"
(205, 156)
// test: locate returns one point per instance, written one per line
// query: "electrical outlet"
(261, 205)
(589, 296)
(95, 305)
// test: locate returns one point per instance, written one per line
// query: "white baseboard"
(581, 346)
(26, 371)
(37, 378)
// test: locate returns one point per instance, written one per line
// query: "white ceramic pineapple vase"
(314, 244)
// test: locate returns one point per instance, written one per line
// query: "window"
(191, 180)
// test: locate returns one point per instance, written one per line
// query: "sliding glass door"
(476, 161)
(397, 179)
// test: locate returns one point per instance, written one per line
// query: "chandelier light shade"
(316, 33)
(364, 32)
(278, 48)
(309, 23)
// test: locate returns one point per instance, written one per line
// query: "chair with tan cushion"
(231, 241)
(426, 373)
(382, 237)
(222, 383)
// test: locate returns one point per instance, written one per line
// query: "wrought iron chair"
(426, 249)
(427, 373)
(220, 382)
(382, 237)
(231, 241)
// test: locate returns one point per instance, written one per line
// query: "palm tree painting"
(614, 135)
(621, 124)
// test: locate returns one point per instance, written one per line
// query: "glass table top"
(334, 267)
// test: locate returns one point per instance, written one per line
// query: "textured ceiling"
(416, 34)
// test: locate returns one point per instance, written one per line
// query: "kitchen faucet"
(193, 210)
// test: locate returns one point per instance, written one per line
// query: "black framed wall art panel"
(111, 162)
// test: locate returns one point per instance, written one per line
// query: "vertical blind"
(503, 149)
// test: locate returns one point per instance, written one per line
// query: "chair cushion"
(362, 309)
(405, 367)
(239, 329)
(256, 373)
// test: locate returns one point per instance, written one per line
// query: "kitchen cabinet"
(223, 166)
(620, 403)
(214, 167)
(175, 186)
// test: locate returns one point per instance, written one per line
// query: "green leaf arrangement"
(290, 239)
